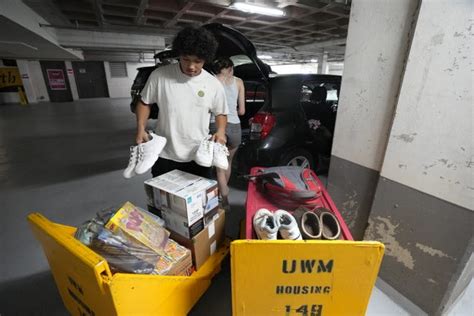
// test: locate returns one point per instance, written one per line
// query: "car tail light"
(262, 123)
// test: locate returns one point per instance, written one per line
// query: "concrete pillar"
(403, 154)
(27, 81)
(72, 80)
(371, 79)
(33, 82)
(423, 205)
(323, 67)
(37, 80)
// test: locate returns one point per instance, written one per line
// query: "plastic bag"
(123, 253)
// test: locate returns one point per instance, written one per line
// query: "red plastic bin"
(256, 200)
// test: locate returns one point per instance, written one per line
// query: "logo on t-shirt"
(201, 93)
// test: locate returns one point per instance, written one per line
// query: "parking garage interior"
(400, 166)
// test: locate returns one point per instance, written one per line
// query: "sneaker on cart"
(220, 159)
(149, 152)
(265, 225)
(288, 227)
(205, 152)
(132, 162)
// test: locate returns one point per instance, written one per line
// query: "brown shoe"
(308, 222)
(311, 226)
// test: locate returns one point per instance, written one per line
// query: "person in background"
(186, 95)
(235, 95)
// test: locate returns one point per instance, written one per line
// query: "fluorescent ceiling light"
(265, 57)
(257, 9)
(314, 60)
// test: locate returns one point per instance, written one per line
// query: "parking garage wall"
(35, 85)
(120, 87)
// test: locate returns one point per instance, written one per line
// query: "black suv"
(295, 125)
(289, 119)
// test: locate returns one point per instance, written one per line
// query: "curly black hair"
(221, 63)
(197, 41)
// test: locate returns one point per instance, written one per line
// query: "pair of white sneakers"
(143, 156)
(267, 225)
(211, 153)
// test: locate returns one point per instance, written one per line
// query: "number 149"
(305, 310)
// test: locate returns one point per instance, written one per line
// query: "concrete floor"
(65, 160)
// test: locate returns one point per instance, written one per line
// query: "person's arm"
(221, 123)
(142, 112)
(241, 97)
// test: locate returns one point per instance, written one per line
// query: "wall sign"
(10, 78)
(10, 81)
(56, 79)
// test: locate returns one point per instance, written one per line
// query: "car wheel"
(298, 157)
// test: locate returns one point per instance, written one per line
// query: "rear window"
(240, 60)
(307, 89)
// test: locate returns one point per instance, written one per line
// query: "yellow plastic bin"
(87, 286)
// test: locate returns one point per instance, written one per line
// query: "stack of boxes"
(189, 206)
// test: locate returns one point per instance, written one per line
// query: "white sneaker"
(220, 156)
(287, 225)
(205, 152)
(265, 225)
(132, 162)
(149, 152)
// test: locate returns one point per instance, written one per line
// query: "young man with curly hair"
(186, 95)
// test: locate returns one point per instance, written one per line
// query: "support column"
(402, 157)
(373, 69)
(72, 80)
(323, 63)
(27, 80)
(423, 205)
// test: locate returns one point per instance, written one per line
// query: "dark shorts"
(163, 165)
(233, 132)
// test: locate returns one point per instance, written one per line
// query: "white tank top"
(232, 94)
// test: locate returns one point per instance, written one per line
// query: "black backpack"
(289, 186)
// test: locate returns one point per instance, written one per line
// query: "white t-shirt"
(185, 104)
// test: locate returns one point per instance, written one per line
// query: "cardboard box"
(176, 262)
(180, 224)
(155, 211)
(206, 242)
(186, 194)
(210, 216)
(184, 229)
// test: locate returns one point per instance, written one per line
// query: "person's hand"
(142, 137)
(219, 137)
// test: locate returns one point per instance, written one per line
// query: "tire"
(298, 157)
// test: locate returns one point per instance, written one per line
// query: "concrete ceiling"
(19, 42)
(308, 28)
